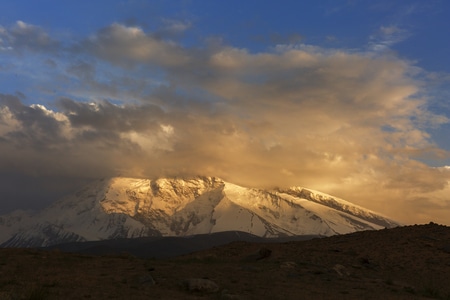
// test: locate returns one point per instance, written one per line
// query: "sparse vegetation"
(402, 265)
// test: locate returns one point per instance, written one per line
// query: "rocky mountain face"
(130, 207)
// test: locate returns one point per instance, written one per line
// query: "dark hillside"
(411, 262)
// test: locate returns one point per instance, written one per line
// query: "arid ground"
(410, 262)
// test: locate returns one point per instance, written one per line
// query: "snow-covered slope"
(129, 207)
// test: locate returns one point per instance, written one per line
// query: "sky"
(350, 98)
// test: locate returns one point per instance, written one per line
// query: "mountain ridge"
(123, 207)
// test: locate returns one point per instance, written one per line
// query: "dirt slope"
(411, 262)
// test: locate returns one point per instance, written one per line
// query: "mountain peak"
(138, 207)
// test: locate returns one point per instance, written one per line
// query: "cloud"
(172, 28)
(118, 43)
(350, 123)
(386, 37)
(106, 116)
(26, 37)
(32, 126)
(51, 153)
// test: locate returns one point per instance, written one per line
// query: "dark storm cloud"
(106, 116)
(35, 126)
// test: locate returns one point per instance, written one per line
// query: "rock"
(341, 270)
(200, 285)
(147, 279)
(261, 254)
(288, 265)
(264, 253)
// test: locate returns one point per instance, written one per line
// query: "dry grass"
(404, 263)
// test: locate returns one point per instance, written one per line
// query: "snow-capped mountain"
(130, 207)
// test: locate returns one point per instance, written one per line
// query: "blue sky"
(347, 97)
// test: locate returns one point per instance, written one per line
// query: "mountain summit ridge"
(123, 207)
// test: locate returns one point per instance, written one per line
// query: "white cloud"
(386, 37)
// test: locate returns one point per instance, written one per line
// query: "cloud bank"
(133, 103)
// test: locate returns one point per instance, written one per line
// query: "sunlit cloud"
(351, 123)
(118, 43)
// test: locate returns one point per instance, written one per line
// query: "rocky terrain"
(410, 262)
